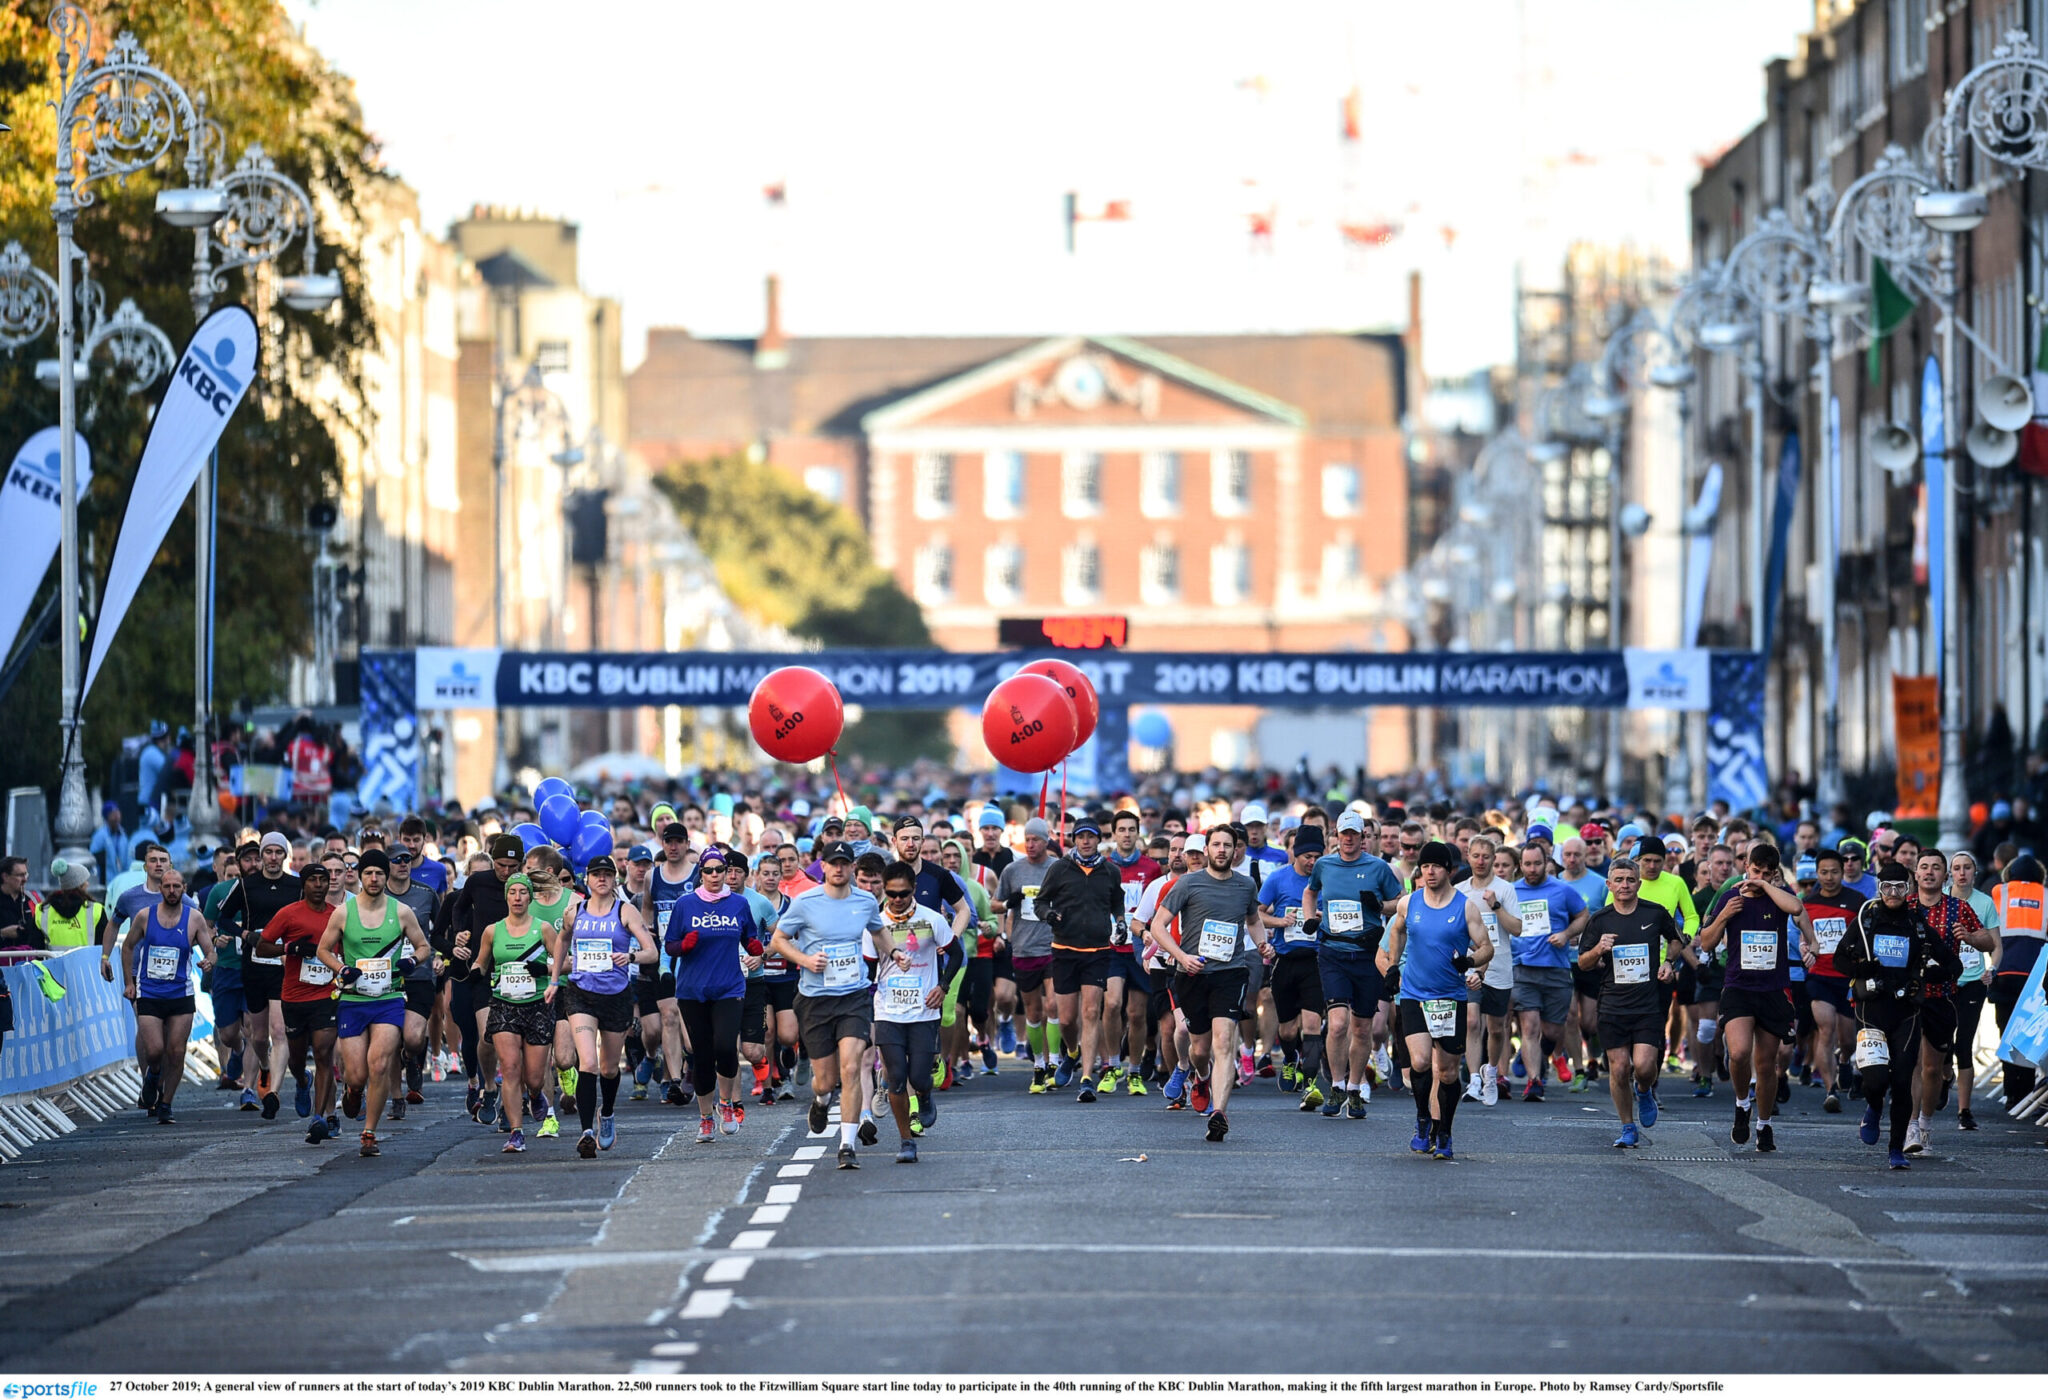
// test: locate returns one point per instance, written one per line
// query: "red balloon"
(1029, 723)
(796, 714)
(1080, 690)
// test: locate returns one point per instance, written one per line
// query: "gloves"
(686, 944)
(350, 976)
(406, 965)
(1462, 962)
(302, 948)
(1312, 925)
(753, 947)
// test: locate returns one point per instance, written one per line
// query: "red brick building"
(1225, 493)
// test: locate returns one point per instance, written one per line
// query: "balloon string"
(1063, 788)
(1044, 785)
(832, 757)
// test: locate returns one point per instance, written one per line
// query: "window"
(1230, 483)
(1081, 573)
(934, 498)
(1340, 566)
(1002, 485)
(933, 582)
(1159, 572)
(551, 356)
(1908, 26)
(1230, 573)
(1081, 484)
(1003, 573)
(829, 482)
(1159, 485)
(1340, 490)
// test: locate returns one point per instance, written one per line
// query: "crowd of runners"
(754, 951)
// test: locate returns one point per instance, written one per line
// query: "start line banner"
(446, 678)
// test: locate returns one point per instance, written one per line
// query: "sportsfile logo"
(15, 1391)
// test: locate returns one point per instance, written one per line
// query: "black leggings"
(462, 1008)
(1902, 1037)
(1970, 998)
(714, 1031)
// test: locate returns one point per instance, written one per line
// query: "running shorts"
(532, 1021)
(1413, 1022)
(1071, 971)
(1031, 973)
(1620, 1031)
(1771, 1010)
(1350, 980)
(302, 1018)
(164, 1008)
(613, 1011)
(1297, 986)
(1207, 997)
(822, 1022)
(355, 1018)
(1547, 991)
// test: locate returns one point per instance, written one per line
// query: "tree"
(787, 556)
(279, 453)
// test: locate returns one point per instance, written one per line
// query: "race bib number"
(515, 981)
(902, 993)
(1891, 948)
(1134, 893)
(277, 961)
(774, 962)
(376, 978)
(1827, 934)
(1535, 918)
(1972, 959)
(1347, 916)
(842, 966)
(593, 954)
(1029, 908)
(1759, 950)
(314, 973)
(1218, 942)
(1492, 922)
(1631, 964)
(162, 965)
(1441, 1018)
(1872, 1049)
(1294, 932)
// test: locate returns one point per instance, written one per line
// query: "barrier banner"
(2026, 1035)
(54, 1042)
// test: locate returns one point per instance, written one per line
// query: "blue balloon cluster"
(582, 836)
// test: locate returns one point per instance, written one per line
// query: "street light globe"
(1672, 376)
(48, 372)
(1634, 520)
(1604, 408)
(1725, 335)
(567, 457)
(310, 291)
(199, 207)
(1950, 211)
(1836, 296)
(1504, 591)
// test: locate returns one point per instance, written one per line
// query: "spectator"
(17, 928)
(150, 764)
(112, 846)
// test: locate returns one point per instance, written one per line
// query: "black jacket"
(1084, 907)
(472, 909)
(1927, 958)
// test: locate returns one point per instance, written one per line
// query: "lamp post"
(264, 212)
(529, 396)
(2002, 104)
(117, 117)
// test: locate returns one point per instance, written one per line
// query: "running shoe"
(565, 1080)
(988, 1058)
(411, 1096)
(514, 1143)
(1967, 1121)
(1740, 1133)
(1832, 1103)
(1311, 1099)
(1219, 1125)
(1383, 1063)
(1039, 1077)
(607, 1133)
(1533, 1091)
(1177, 1103)
(398, 1108)
(1006, 1037)
(1442, 1151)
(250, 1103)
(351, 1103)
(1867, 1129)
(1265, 1069)
(1942, 1102)
(1354, 1104)
(1176, 1084)
(1899, 1162)
(1489, 1091)
(868, 1134)
(537, 1106)
(302, 1101)
(586, 1145)
(1646, 1107)
(1247, 1068)
(333, 1125)
(1421, 1142)
(728, 1119)
(739, 1111)
(1087, 1094)
(1134, 1086)
(1562, 1068)
(1916, 1138)
(1629, 1137)
(152, 1086)
(674, 1093)
(368, 1146)
(940, 1073)
(472, 1098)
(706, 1128)
(1515, 1068)
(1784, 1089)
(1334, 1104)
(316, 1132)
(550, 1126)
(1580, 1085)
(1472, 1092)
(1364, 1091)
(815, 1120)
(163, 1114)
(1703, 1088)
(848, 1162)
(1063, 1077)
(924, 1115)
(906, 1154)
(1766, 1140)
(1108, 1082)
(1671, 1064)
(1287, 1077)
(270, 1105)
(1198, 1094)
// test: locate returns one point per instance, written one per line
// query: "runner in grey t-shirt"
(1030, 942)
(1219, 936)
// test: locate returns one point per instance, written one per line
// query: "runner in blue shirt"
(1345, 905)
(1296, 983)
(1552, 914)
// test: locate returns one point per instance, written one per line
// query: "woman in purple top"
(1756, 1001)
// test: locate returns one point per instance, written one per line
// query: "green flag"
(1889, 308)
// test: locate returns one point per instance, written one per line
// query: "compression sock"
(608, 1092)
(1052, 1040)
(1311, 1056)
(586, 1098)
(1420, 1084)
(233, 1069)
(1447, 1107)
(1034, 1035)
(1290, 1048)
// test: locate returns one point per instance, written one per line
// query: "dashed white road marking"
(795, 1169)
(727, 1270)
(768, 1215)
(675, 1349)
(783, 1195)
(752, 1239)
(707, 1303)
(809, 1154)
(657, 1368)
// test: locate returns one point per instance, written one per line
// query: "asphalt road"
(1026, 1239)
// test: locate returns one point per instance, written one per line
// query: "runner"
(1219, 908)
(225, 985)
(420, 986)
(1553, 914)
(1082, 898)
(821, 934)
(362, 940)
(1756, 1003)
(1888, 955)
(672, 878)
(156, 966)
(307, 996)
(480, 903)
(255, 900)
(1631, 944)
(1970, 987)
(1127, 995)
(1170, 1030)
(554, 898)
(1343, 909)
(1438, 977)
(1297, 985)
(519, 968)
(602, 939)
(1954, 925)
(1831, 907)
(1030, 945)
(908, 1002)
(768, 1020)
(1492, 887)
(708, 930)
(1703, 975)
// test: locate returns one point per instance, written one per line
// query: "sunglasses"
(1893, 887)
(894, 896)
(349, 865)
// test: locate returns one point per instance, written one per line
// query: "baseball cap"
(1592, 829)
(1351, 821)
(639, 855)
(277, 840)
(1853, 846)
(399, 853)
(506, 846)
(1087, 824)
(834, 851)
(1038, 826)
(675, 831)
(1194, 841)
(1253, 812)
(603, 865)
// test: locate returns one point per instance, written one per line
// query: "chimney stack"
(771, 351)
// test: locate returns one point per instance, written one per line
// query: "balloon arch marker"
(398, 686)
